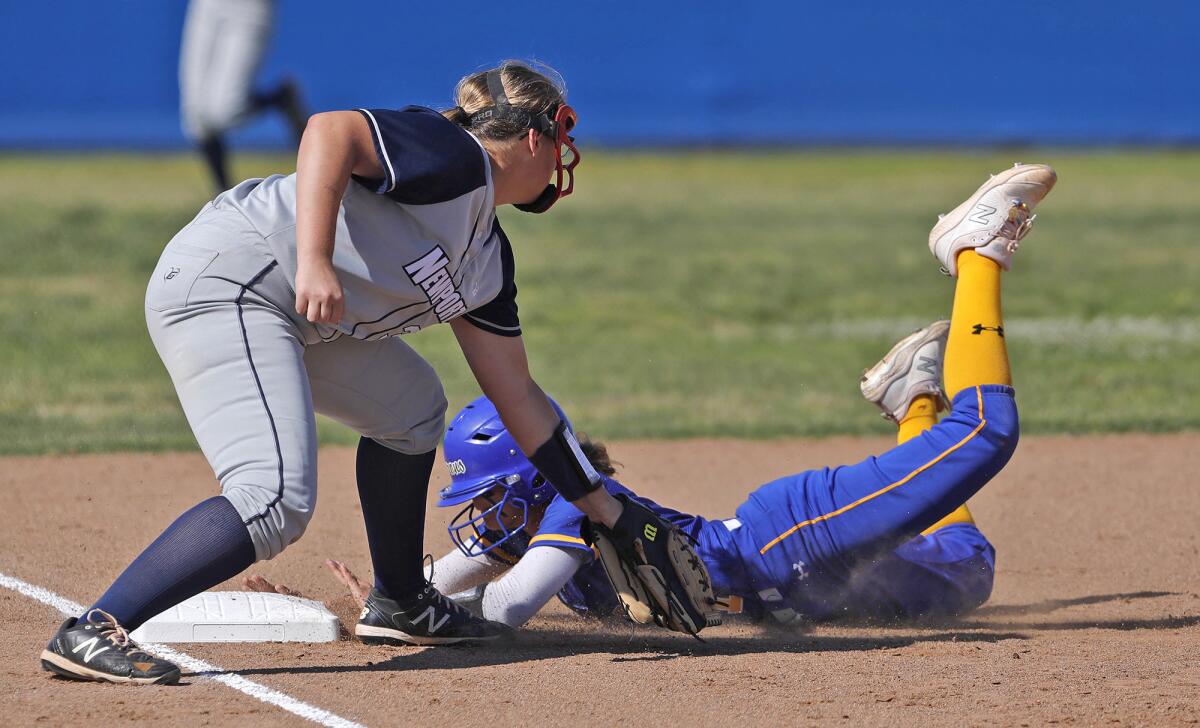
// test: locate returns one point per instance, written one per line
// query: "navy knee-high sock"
(202, 548)
(392, 488)
(212, 148)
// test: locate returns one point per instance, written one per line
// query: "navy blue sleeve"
(426, 158)
(499, 316)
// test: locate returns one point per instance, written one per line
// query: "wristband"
(561, 461)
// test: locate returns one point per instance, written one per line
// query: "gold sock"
(976, 352)
(920, 416)
(960, 515)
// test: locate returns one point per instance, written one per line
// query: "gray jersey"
(420, 246)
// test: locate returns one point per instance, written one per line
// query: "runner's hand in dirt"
(257, 583)
(357, 587)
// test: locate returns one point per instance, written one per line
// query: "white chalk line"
(255, 690)
(1064, 330)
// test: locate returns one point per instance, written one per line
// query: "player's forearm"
(324, 163)
(527, 414)
(532, 415)
(514, 598)
(456, 572)
(502, 370)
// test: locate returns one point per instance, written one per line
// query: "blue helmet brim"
(459, 493)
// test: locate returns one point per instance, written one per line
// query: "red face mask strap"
(564, 122)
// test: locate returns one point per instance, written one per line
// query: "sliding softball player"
(889, 537)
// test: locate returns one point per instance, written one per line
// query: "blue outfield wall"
(89, 73)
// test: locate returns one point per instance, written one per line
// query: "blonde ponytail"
(535, 88)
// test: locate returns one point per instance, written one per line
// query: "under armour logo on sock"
(978, 329)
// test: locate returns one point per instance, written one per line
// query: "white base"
(241, 617)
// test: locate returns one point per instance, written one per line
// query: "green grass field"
(674, 295)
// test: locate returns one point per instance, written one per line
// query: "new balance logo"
(981, 213)
(90, 646)
(650, 532)
(430, 615)
(928, 365)
(978, 329)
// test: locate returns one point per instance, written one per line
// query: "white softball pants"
(250, 374)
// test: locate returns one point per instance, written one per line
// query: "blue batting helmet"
(481, 455)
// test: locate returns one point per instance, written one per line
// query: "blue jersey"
(837, 541)
(848, 539)
(946, 572)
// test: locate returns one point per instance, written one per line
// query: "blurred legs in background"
(223, 46)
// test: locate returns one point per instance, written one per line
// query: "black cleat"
(429, 618)
(100, 649)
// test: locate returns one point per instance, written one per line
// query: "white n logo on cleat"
(91, 651)
(981, 213)
(928, 365)
(431, 614)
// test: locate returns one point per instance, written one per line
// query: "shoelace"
(448, 604)
(443, 601)
(1016, 226)
(110, 629)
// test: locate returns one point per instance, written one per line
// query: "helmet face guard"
(470, 532)
(485, 460)
(559, 130)
(566, 158)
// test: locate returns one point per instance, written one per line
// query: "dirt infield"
(1095, 618)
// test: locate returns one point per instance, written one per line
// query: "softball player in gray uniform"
(284, 297)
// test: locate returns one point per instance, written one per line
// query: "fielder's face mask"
(472, 533)
(558, 127)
